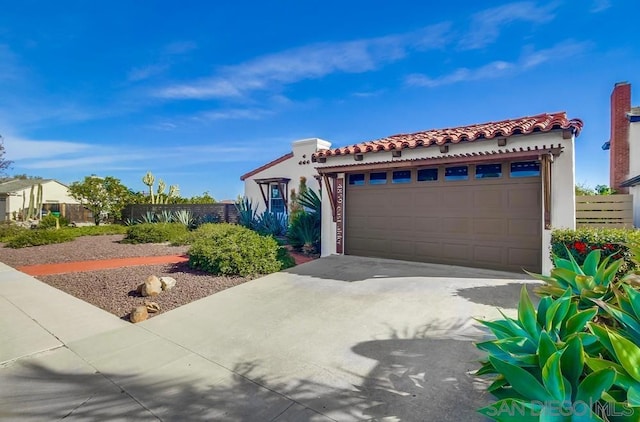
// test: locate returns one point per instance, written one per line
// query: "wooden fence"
(611, 211)
(221, 212)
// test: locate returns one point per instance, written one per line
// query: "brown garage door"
(489, 217)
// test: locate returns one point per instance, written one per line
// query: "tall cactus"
(148, 180)
(173, 191)
(161, 199)
(38, 203)
(35, 202)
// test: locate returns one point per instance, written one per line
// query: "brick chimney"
(619, 149)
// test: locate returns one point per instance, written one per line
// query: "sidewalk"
(62, 357)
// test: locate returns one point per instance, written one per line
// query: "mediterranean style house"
(484, 195)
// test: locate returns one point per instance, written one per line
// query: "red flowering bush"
(612, 242)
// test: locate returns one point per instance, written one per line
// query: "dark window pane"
(484, 171)
(401, 176)
(378, 178)
(275, 192)
(525, 169)
(356, 179)
(456, 173)
(427, 175)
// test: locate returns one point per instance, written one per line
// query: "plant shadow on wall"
(414, 378)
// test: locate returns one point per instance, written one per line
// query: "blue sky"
(201, 92)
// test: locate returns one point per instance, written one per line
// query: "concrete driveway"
(340, 338)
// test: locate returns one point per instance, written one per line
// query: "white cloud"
(600, 6)
(234, 114)
(486, 25)
(529, 59)
(308, 62)
(166, 59)
(24, 149)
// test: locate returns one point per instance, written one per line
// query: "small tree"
(4, 163)
(101, 195)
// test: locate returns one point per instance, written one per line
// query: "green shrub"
(285, 258)
(226, 249)
(9, 229)
(28, 238)
(49, 221)
(98, 230)
(612, 242)
(155, 232)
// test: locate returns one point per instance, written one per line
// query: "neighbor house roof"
(266, 166)
(631, 182)
(15, 185)
(520, 126)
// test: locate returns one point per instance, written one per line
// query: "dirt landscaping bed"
(114, 290)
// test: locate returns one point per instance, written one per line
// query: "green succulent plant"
(594, 279)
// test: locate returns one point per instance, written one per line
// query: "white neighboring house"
(269, 186)
(14, 196)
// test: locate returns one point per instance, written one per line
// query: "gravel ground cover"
(114, 290)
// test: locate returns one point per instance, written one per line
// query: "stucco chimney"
(619, 150)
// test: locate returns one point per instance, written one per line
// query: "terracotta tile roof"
(266, 166)
(523, 125)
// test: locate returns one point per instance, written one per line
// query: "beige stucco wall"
(562, 189)
(52, 191)
(293, 168)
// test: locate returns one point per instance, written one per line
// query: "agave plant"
(271, 223)
(539, 359)
(519, 341)
(165, 216)
(304, 232)
(594, 279)
(148, 217)
(246, 213)
(184, 217)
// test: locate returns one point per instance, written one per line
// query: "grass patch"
(156, 233)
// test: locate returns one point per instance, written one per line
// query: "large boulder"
(138, 314)
(151, 287)
(168, 283)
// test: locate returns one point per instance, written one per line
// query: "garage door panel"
(456, 198)
(456, 225)
(523, 199)
(529, 259)
(489, 199)
(493, 223)
(427, 224)
(490, 255)
(524, 227)
(402, 223)
(490, 226)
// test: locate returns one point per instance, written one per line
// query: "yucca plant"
(594, 279)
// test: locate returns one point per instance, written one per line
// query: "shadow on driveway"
(355, 268)
(413, 379)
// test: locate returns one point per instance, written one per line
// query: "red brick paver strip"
(103, 264)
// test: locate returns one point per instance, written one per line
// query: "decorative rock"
(168, 283)
(151, 287)
(152, 307)
(138, 314)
